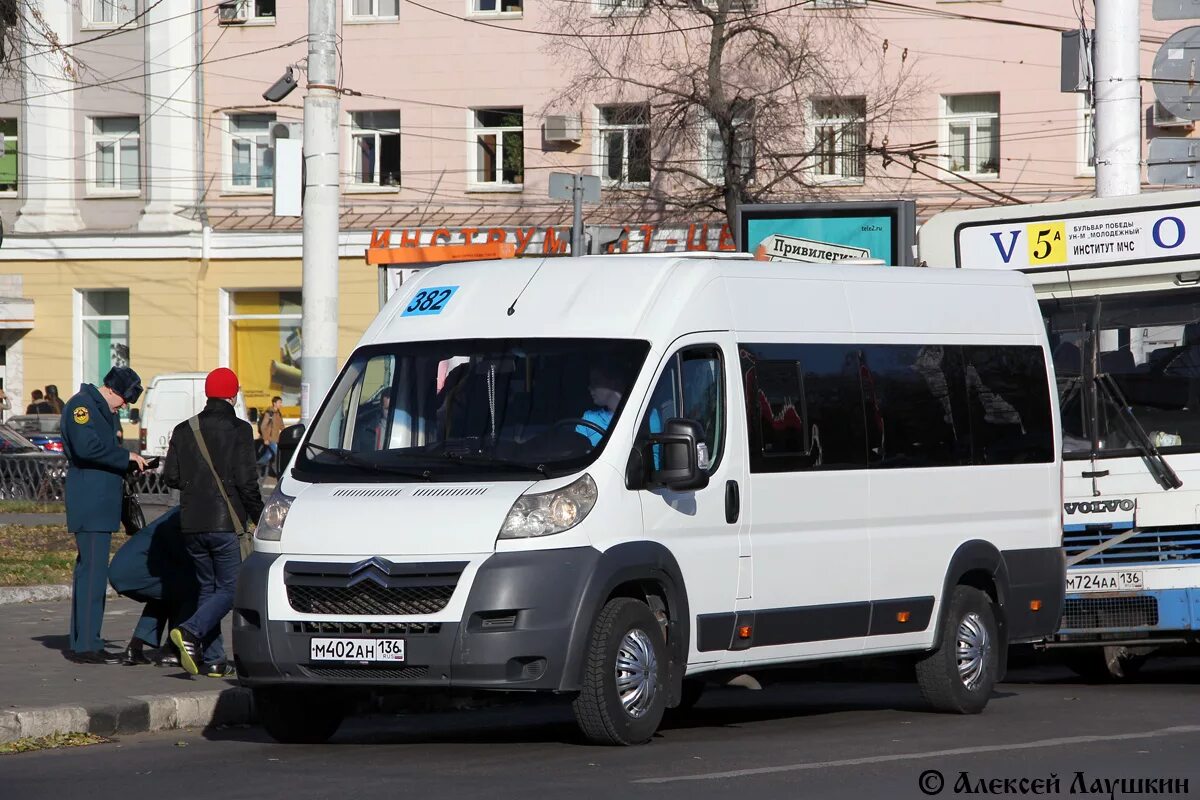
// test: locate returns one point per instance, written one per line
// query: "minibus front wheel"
(299, 715)
(959, 675)
(623, 696)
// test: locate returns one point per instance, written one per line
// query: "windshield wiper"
(355, 461)
(1166, 477)
(479, 458)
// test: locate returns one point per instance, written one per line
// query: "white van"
(616, 477)
(170, 399)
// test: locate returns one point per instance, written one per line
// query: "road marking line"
(958, 751)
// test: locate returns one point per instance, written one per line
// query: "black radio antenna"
(512, 309)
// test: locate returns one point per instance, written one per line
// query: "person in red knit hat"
(211, 461)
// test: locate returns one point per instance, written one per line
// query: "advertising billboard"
(821, 233)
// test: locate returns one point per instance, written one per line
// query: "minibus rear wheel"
(959, 675)
(623, 696)
(299, 716)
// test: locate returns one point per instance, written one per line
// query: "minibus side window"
(691, 387)
(1010, 404)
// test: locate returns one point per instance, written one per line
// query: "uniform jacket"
(96, 462)
(230, 442)
(271, 426)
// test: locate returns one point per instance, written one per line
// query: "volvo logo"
(1099, 506)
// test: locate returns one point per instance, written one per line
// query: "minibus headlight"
(270, 522)
(550, 512)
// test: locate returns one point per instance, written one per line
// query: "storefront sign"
(555, 240)
(1084, 240)
(830, 232)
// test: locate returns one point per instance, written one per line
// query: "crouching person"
(210, 460)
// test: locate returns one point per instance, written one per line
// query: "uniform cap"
(221, 383)
(125, 382)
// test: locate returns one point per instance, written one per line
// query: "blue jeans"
(216, 559)
(269, 451)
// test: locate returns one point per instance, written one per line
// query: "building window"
(115, 147)
(840, 131)
(838, 3)
(253, 162)
(618, 7)
(109, 12)
(972, 133)
(713, 149)
(1087, 136)
(8, 155)
(499, 148)
(103, 332)
(375, 153)
(371, 10)
(260, 10)
(264, 346)
(496, 7)
(624, 136)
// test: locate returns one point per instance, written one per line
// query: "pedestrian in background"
(53, 399)
(270, 425)
(208, 453)
(38, 404)
(96, 467)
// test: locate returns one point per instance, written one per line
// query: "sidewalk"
(43, 693)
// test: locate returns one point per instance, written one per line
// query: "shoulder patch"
(80, 415)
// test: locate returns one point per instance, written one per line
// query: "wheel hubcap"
(974, 646)
(637, 673)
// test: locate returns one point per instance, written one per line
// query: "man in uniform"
(96, 466)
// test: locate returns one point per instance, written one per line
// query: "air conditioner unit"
(562, 128)
(1165, 119)
(232, 12)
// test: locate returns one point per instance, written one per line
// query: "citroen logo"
(373, 569)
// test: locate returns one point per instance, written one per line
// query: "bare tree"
(748, 102)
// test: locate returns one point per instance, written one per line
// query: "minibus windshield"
(1128, 368)
(446, 410)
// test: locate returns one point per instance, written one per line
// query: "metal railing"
(43, 477)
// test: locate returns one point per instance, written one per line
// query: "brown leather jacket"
(270, 426)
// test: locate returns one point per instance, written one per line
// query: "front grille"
(1151, 546)
(1098, 613)
(369, 599)
(354, 673)
(369, 628)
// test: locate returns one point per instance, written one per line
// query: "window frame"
(603, 128)
(839, 123)
(350, 18)
(230, 137)
(473, 10)
(643, 423)
(81, 319)
(15, 141)
(1086, 149)
(618, 8)
(949, 118)
(473, 165)
(356, 132)
(708, 127)
(93, 140)
(89, 21)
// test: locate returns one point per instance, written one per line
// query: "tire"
(959, 675)
(298, 716)
(625, 632)
(1104, 664)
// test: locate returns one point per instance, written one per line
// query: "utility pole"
(319, 309)
(577, 247)
(1117, 98)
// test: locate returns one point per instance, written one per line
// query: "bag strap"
(194, 424)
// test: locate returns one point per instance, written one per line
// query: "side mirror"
(675, 460)
(135, 416)
(289, 440)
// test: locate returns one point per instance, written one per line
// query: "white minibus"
(618, 477)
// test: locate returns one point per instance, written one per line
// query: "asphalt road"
(812, 740)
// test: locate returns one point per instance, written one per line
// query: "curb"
(39, 594)
(138, 714)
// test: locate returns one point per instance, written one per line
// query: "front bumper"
(514, 633)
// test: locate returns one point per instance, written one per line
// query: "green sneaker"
(189, 650)
(219, 669)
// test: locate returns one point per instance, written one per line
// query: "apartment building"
(137, 169)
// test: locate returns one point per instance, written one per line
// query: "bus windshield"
(503, 408)
(1147, 360)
